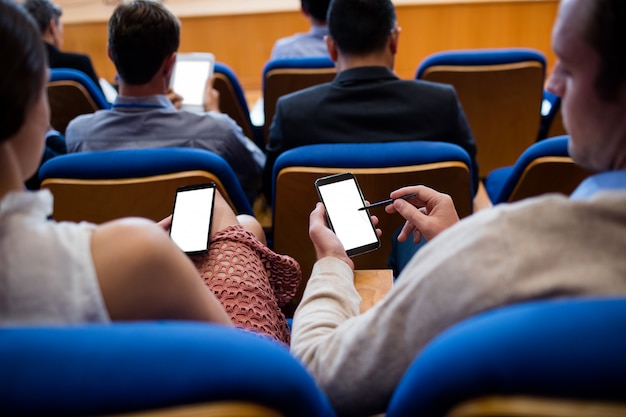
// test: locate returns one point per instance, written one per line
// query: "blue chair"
(233, 101)
(545, 167)
(501, 91)
(166, 368)
(551, 117)
(284, 76)
(70, 94)
(544, 358)
(380, 168)
(105, 185)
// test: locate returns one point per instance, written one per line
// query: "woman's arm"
(143, 275)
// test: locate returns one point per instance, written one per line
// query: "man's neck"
(49, 39)
(348, 62)
(141, 90)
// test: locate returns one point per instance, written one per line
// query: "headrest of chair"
(95, 369)
(61, 74)
(572, 348)
(305, 62)
(495, 56)
(556, 146)
(221, 68)
(371, 155)
(137, 163)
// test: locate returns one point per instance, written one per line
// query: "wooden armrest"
(372, 285)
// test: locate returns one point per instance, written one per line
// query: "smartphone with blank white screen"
(191, 218)
(191, 71)
(342, 199)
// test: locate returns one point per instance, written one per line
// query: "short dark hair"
(361, 26)
(22, 67)
(42, 11)
(141, 35)
(606, 32)
(316, 8)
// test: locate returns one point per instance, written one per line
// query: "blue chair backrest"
(501, 92)
(233, 100)
(379, 168)
(70, 94)
(560, 173)
(284, 76)
(496, 56)
(112, 170)
(318, 62)
(124, 367)
(69, 74)
(551, 117)
(566, 349)
(370, 155)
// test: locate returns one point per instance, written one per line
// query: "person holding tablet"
(143, 41)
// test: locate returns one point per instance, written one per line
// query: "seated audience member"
(366, 102)
(55, 146)
(546, 247)
(47, 15)
(306, 44)
(128, 269)
(143, 39)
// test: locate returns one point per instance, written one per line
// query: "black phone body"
(192, 217)
(342, 199)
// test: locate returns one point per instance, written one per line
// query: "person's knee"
(251, 224)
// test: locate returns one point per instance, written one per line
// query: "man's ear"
(332, 48)
(168, 65)
(51, 33)
(393, 40)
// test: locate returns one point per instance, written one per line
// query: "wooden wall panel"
(244, 41)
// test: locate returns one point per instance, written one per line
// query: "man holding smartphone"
(545, 247)
(143, 40)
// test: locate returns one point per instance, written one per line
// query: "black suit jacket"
(368, 104)
(59, 59)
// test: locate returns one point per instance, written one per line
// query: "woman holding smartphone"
(52, 272)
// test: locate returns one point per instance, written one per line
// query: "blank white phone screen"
(189, 80)
(192, 219)
(343, 201)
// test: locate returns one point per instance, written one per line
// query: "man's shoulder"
(284, 47)
(83, 120)
(60, 59)
(305, 95)
(427, 86)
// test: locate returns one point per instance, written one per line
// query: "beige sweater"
(544, 247)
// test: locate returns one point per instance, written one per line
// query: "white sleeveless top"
(47, 275)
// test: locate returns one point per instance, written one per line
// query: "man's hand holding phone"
(324, 240)
(211, 97)
(343, 201)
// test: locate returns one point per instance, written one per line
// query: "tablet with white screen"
(189, 78)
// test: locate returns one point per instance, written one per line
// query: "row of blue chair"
(547, 358)
(501, 91)
(105, 185)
